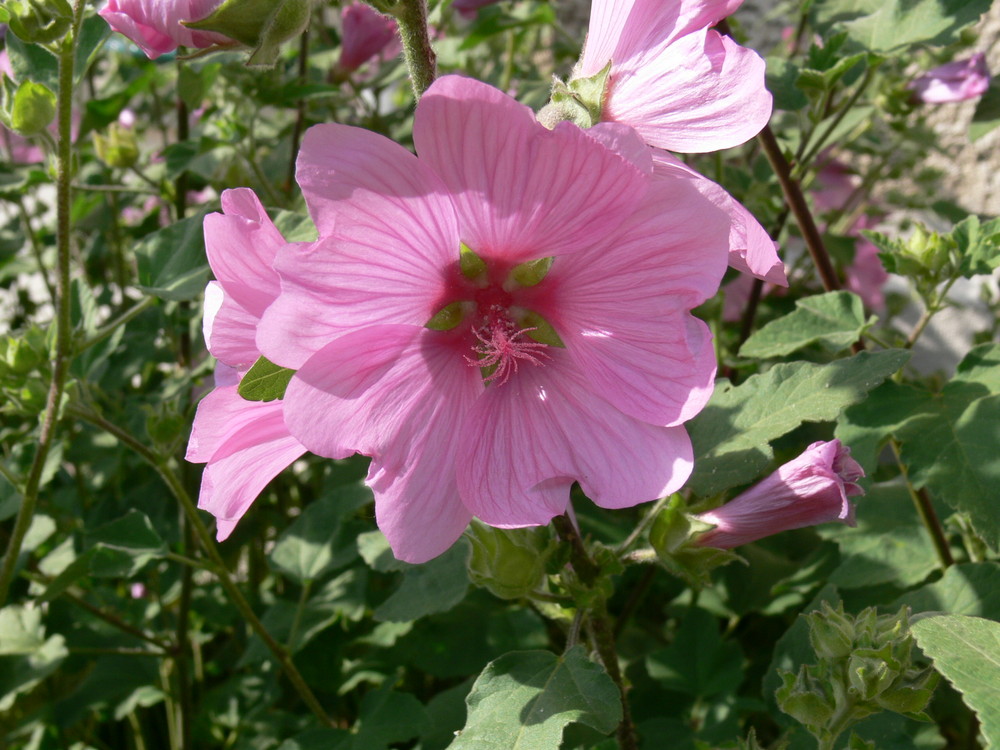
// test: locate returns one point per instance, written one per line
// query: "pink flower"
(685, 87)
(468, 8)
(245, 443)
(365, 33)
(681, 85)
(155, 25)
(810, 489)
(558, 348)
(954, 82)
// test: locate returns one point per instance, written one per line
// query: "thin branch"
(421, 62)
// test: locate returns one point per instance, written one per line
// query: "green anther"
(471, 265)
(539, 329)
(447, 317)
(530, 273)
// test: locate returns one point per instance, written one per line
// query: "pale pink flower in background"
(155, 25)
(813, 488)
(468, 8)
(245, 444)
(594, 362)
(953, 82)
(364, 33)
(686, 88)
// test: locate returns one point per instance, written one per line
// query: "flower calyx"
(262, 25)
(580, 101)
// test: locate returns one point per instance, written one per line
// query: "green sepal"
(263, 25)
(531, 272)
(265, 381)
(449, 316)
(539, 329)
(581, 101)
(471, 265)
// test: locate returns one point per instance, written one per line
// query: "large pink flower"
(556, 347)
(687, 88)
(813, 488)
(155, 25)
(245, 443)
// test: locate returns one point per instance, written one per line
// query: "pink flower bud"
(810, 489)
(954, 82)
(156, 25)
(366, 32)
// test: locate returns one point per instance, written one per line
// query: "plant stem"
(63, 321)
(421, 62)
(925, 509)
(603, 635)
(800, 209)
(114, 324)
(218, 565)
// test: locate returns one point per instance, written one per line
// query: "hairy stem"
(421, 62)
(63, 321)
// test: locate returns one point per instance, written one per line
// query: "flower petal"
(751, 249)
(378, 388)
(363, 186)
(241, 244)
(245, 444)
(521, 191)
(230, 331)
(620, 29)
(525, 442)
(703, 92)
(623, 311)
(336, 285)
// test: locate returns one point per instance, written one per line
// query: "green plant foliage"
(524, 700)
(835, 319)
(26, 655)
(895, 25)
(699, 662)
(434, 586)
(265, 381)
(987, 115)
(966, 650)
(172, 262)
(731, 435)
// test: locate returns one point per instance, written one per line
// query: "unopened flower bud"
(870, 672)
(831, 632)
(118, 148)
(911, 693)
(954, 82)
(262, 25)
(364, 33)
(39, 21)
(802, 697)
(813, 488)
(508, 562)
(27, 109)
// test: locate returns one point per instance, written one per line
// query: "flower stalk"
(421, 62)
(63, 322)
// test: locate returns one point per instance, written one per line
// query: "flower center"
(502, 346)
(504, 332)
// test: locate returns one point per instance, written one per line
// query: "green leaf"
(434, 586)
(375, 551)
(93, 32)
(387, 717)
(698, 662)
(834, 319)
(172, 262)
(953, 448)
(732, 433)
(966, 650)
(26, 656)
(265, 381)
(978, 245)
(319, 739)
(889, 545)
(894, 25)
(524, 699)
(317, 542)
(965, 589)
(781, 78)
(987, 115)
(31, 62)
